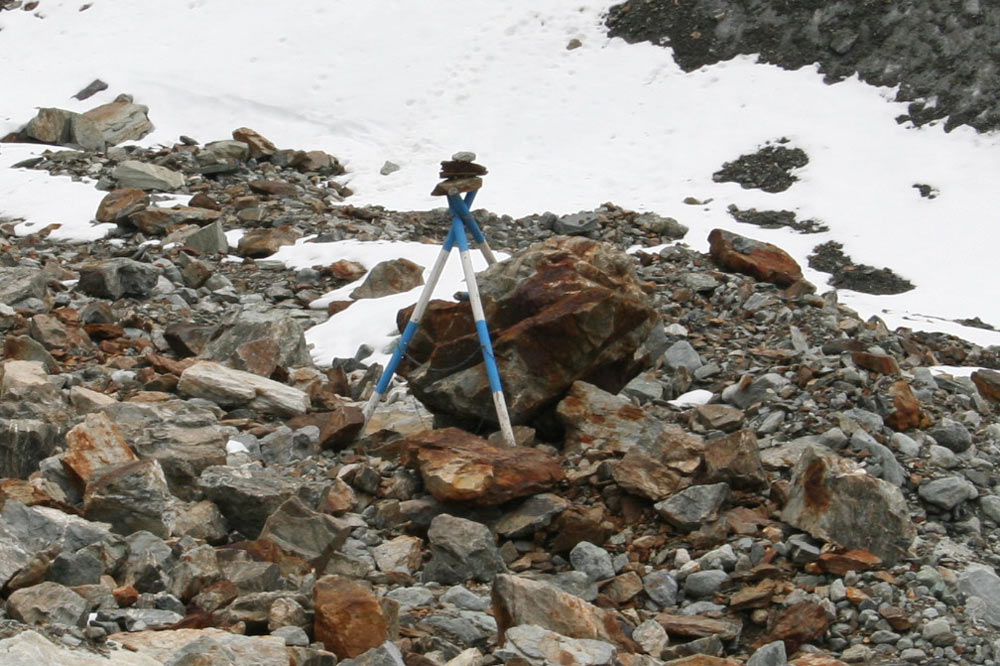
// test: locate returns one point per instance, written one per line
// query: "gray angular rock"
(147, 562)
(246, 495)
(209, 239)
(259, 342)
(13, 556)
(38, 528)
(143, 176)
(769, 654)
(661, 586)
(24, 443)
(117, 278)
(990, 504)
(386, 654)
(596, 419)
(682, 355)
(947, 492)
(651, 637)
(19, 283)
(592, 560)
(131, 497)
(982, 582)
(704, 583)
(535, 513)
(300, 531)
(951, 434)
(461, 550)
(831, 499)
(692, 507)
(120, 120)
(889, 468)
(183, 437)
(576, 583)
(48, 603)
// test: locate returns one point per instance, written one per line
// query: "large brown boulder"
(760, 260)
(563, 310)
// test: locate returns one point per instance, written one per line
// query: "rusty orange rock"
(798, 624)
(93, 446)
(457, 466)
(350, 620)
(881, 363)
(906, 412)
(763, 261)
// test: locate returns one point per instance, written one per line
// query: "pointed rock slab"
(536, 513)
(839, 564)
(260, 147)
(563, 310)
(518, 601)
(386, 654)
(832, 499)
(299, 531)
(457, 466)
(762, 261)
(93, 446)
(658, 469)
(735, 459)
(231, 388)
(349, 618)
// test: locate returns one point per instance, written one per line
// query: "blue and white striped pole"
(461, 218)
(492, 372)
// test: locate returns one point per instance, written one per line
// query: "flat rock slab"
(459, 467)
(30, 648)
(161, 646)
(231, 388)
(143, 176)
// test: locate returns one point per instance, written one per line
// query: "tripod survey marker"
(461, 175)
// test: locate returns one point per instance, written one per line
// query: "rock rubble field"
(717, 464)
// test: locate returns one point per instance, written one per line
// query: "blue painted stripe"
(492, 372)
(397, 356)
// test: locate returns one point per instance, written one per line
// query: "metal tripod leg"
(461, 219)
